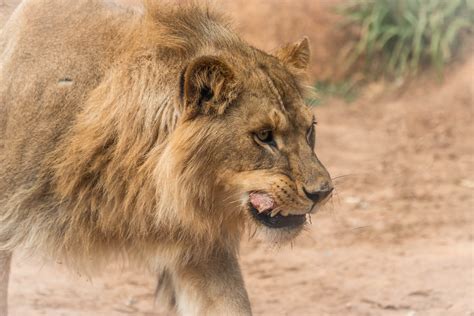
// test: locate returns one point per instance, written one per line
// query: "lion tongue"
(261, 201)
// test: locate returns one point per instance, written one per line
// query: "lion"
(153, 132)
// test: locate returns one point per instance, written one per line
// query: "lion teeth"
(274, 213)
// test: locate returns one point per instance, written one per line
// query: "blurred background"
(393, 94)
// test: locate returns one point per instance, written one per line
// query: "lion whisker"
(344, 176)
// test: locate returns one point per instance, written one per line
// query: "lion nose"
(320, 195)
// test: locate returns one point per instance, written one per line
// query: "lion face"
(256, 140)
(275, 171)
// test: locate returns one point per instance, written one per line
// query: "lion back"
(52, 54)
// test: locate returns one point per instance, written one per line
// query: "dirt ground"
(396, 239)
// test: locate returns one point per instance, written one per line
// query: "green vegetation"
(397, 37)
(324, 90)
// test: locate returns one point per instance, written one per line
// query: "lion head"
(245, 141)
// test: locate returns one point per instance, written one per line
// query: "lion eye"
(266, 137)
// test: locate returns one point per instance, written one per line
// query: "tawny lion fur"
(129, 132)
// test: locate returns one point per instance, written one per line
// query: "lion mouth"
(261, 207)
(277, 221)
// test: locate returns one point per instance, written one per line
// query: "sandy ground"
(396, 239)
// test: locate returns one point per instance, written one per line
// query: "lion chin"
(154, 132)
(281, 235)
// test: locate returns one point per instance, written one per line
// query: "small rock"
(467, 183)
(131, 301)
(352, 200)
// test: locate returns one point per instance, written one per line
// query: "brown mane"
(104, 162)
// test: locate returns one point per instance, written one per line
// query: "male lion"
(157, 133)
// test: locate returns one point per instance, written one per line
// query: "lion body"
(98, 157)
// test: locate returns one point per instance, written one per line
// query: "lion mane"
(92, 191)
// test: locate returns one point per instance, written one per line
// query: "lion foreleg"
(5, 260)
(212, 287)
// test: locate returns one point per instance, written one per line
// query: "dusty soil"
(396, 239)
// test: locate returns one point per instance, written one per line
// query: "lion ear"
(207, 86)
(295, 55)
